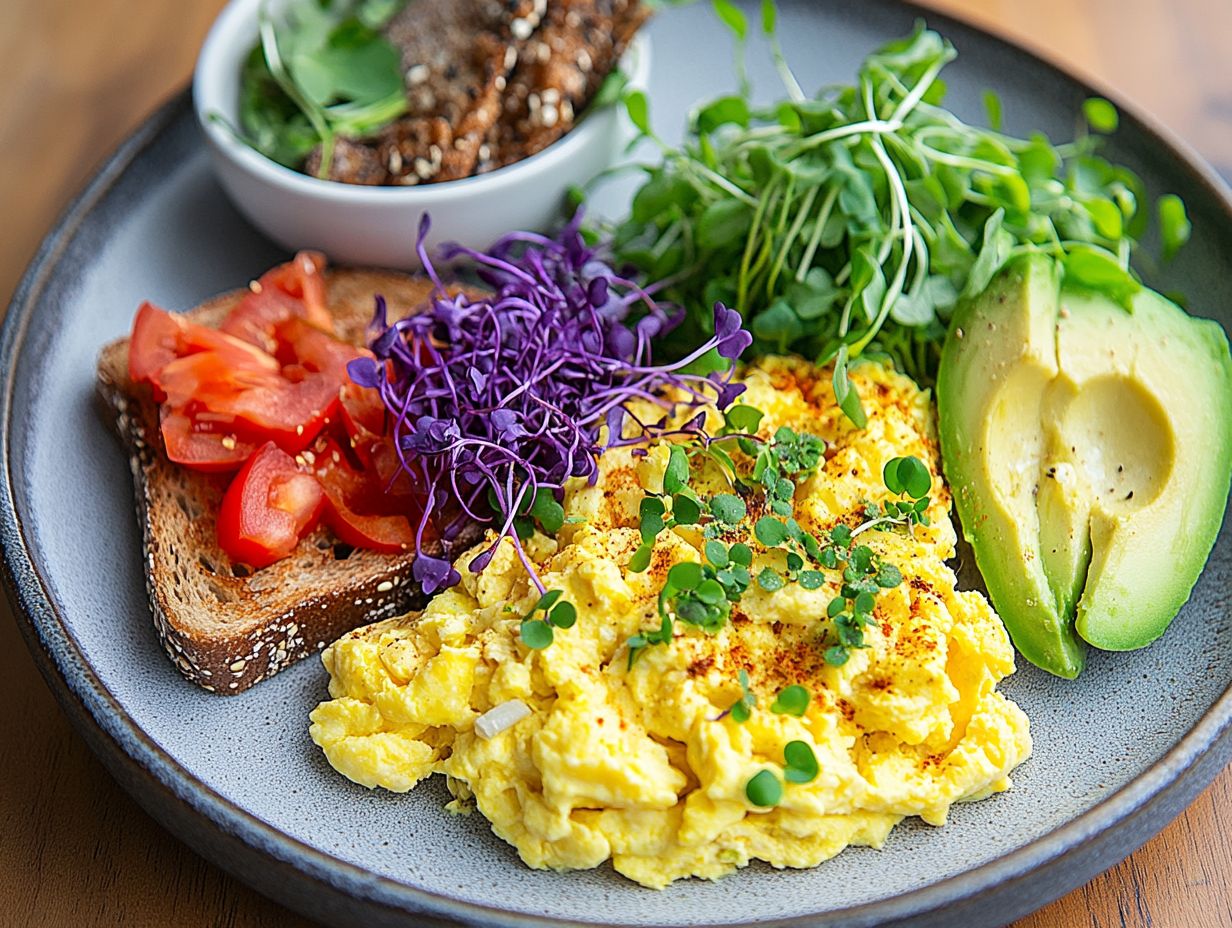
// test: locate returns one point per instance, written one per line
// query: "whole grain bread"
(223, 625)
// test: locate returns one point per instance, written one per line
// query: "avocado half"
(1089, 448)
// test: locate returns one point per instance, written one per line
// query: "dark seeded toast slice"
(224, 626)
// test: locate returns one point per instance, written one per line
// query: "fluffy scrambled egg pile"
(641, 765)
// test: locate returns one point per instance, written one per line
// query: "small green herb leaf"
(639, 111)
(1174, 225)
(845, 392)
(676, 474)
(733, 17)
(1100, 115)
(888, 576)
(564, 615)
(800, 762)
(536, 634)
(744, 419)
(546, 601)
(836, 656)
(792, 700)
(728, 508)
(548, 511)
(764, 789)
(686, 509)
(770, 580)
(641, 558)
(769, 16)
(770, 531)
(685, 576)
(812, 579)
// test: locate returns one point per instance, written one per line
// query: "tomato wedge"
(358, 509)
(292, 290)
(267, 508)
(160, 337)
(254, 396)
(363, 415)
(290, 414)
(314, 350)
(211, 379)
(209, 447)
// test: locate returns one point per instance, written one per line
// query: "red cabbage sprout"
(496, 399)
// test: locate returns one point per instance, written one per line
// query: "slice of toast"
(224, 626)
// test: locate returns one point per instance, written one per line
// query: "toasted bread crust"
(224, 626)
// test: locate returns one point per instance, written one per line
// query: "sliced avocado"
(1111, 492)
(1063, 504)
(996, 368)
(1152, 424)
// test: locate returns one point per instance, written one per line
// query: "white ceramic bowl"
(377, 225)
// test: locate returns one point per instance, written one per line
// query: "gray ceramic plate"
(1117, 754)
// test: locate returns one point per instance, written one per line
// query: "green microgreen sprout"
(764, 789)
(538, 634)
(906, 477)
(850, 223)
(791, 700)
(864, 575)
(702, 593)
(800, 763)
(742, 708)
(542, 510)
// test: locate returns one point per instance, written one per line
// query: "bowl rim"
(222, 51)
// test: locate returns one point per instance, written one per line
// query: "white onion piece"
(499, 718)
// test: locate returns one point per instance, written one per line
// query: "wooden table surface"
(78, 75)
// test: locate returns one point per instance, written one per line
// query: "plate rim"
(89, 702)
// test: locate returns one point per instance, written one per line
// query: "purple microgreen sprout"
(498, 400)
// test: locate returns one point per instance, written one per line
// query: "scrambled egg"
(641, 765)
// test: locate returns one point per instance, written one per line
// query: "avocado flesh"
(996, 368)
(1063, 502)
(1152, 422)
(1134, 429)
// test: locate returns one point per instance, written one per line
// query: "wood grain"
(80, 74)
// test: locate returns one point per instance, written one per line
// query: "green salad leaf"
(324, 72)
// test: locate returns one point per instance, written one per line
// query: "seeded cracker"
(561, 69)
(488, 82)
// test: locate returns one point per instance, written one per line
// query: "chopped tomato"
(154, 343)
(255, 396)
(160, 337)
(291, 414)
(292, 290)
(358, 509)
(315, 350)
(267, 508)
(262, 404)
(212, 379)
(363, 415)
(202, 446)
(304, 277)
